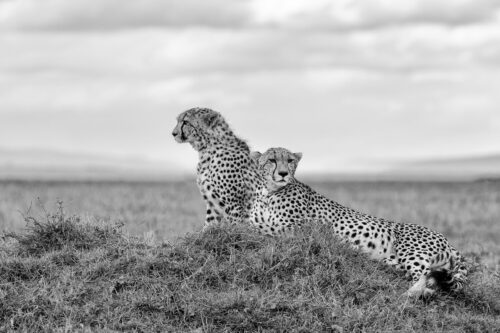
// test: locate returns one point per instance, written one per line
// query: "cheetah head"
(196, 124)
(277, 166)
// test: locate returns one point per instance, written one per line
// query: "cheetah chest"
(209, 187)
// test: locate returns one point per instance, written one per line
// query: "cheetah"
(227, 178)
(281, 169)
(425, 255)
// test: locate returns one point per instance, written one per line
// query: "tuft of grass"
(64, 274)
(57, 231)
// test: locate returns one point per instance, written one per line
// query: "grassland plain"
(84, 272)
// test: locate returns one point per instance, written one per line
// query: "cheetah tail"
(460, 270)
(453, 279)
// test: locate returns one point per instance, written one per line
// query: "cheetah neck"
(272, 187)
(225, 139)
(224, 131)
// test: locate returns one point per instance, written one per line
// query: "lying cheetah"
(281, 168)
(425, 255)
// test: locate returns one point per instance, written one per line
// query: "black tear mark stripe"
(182, 129)
(182, 126)
(275, 167)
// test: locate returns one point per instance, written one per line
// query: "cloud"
(151, 54)
(343, 115)
(381, 85)
(345, 15)
(336, 15)
(350, 114)
(77, 15)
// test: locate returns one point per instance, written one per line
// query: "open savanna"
(467, 213)
(76, 270)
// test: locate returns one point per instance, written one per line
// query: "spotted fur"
(227, 178)
(425, 255)
(280, 167)
(232, 188)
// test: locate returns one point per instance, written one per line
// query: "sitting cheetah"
(227, 178)
(425, 255)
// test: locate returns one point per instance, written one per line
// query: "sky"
(353, 85)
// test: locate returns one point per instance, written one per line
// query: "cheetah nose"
(174, 133)
(282, 173)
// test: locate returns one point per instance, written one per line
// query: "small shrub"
(58, 231)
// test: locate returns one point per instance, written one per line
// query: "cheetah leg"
(394, 262)
(213, 217)
(236, 215)
(419, 288)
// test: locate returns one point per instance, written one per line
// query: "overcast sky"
(353, 85)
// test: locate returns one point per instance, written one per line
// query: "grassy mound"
(66, 274)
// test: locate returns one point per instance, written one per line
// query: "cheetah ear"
(255, 155)
(298, 156)
(211, 119)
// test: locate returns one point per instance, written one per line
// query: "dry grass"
(67, 272)
(228, 279)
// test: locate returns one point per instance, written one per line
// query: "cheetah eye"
(272, 160)
(290, 160)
